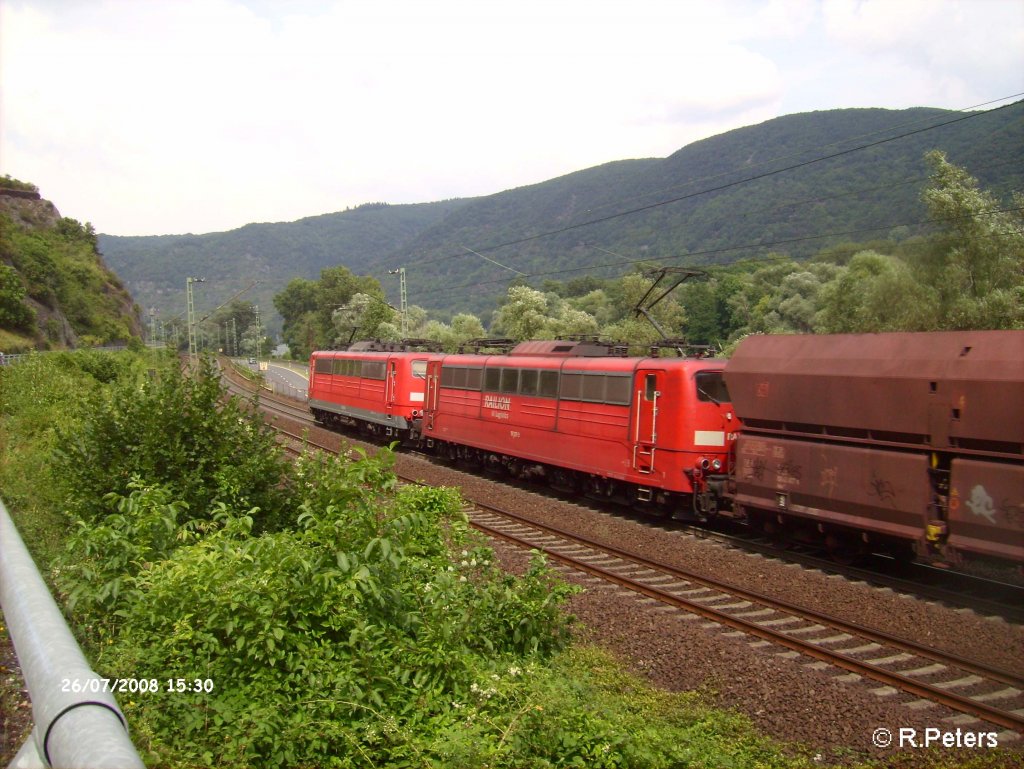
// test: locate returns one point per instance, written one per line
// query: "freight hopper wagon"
(378, 390)
(911, 442)
(654, 432)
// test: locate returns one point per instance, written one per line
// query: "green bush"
(41, 398)
(179, 431)
(378, 609)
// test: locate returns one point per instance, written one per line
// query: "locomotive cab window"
(419, 369)
(650, 387)
(323, 366)
(711, 387)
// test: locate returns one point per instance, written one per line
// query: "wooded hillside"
(794, 185)
(55, 290)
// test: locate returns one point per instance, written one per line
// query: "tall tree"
(876, 293)
(977, 264)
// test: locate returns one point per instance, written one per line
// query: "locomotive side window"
(528, 381)
(618, 389)
(419, 369)
(509, 380)
(461, 378)
(711, 387)
(492, 380)
(570, 387)
(593, 388)
(323, 366)
(614, 389)
(453, 377)
(373, 369)
(548, 384)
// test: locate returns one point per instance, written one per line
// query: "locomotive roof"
(564, 348)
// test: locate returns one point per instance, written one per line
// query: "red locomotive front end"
(651, 431)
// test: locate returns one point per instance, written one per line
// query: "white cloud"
(165, 116)
(947, 51)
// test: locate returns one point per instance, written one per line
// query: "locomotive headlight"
(703, 463)
(716, 465)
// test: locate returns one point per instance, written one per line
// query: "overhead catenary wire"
(780, 158)
(718, 188)
(725, 249)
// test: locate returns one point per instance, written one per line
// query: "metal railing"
(77, 723)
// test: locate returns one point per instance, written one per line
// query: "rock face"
(28, 209)
(72, 297)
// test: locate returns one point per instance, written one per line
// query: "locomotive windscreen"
(711, 387)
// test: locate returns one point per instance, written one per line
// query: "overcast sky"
(150, 117)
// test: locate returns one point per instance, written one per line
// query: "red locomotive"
(377, 389)
(908, 440)
(646, 430)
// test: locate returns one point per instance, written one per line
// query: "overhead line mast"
(404, 299)
(191, 313)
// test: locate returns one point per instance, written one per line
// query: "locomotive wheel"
(565, 481)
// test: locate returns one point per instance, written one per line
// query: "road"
(283, 378)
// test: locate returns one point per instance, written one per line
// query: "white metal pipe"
(85, 729)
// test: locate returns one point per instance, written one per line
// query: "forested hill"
(55, 290)
(155, 267)
(862, 195)
(796, 203)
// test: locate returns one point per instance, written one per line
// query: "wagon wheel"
(844, 547)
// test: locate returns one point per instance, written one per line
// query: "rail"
(84, 729)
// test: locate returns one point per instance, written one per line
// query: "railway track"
(898, 664)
